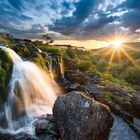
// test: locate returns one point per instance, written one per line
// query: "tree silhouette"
(47, 38)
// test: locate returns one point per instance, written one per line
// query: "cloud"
(69, 19)
(131, 20)
(68, 25)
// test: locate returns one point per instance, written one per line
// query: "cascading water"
(60, 65)
(31, 93)
(51, 67)
(62, 69)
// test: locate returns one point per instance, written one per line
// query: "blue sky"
(70, 19)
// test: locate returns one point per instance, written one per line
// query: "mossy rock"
(108, 96)
(6, 65)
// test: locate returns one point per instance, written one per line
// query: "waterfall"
(31, 93)
(62, 69)
(61, 65)
(51, 67)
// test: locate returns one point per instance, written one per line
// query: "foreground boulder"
(79, 117)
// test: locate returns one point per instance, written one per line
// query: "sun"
(116, 44)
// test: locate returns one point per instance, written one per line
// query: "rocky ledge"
(123, 101)
(75, 117)
(79, 117)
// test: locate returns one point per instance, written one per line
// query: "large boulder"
(79, 117)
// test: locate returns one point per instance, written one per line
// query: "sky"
(71, 20)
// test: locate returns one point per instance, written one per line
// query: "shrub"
(86, 66)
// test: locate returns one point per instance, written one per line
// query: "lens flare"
(117, 44)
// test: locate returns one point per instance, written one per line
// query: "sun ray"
(104, 53)
(130, 58)
(111, 59)
(119, 56)
(132, 48)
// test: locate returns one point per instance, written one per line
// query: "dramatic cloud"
(70, 19)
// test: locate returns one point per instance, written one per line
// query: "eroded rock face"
(136, 101)
(76, 77)
(81, 118)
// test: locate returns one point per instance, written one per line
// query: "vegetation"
(5, 72)
(124, 70)
(108, 96)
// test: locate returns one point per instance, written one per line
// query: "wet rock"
(79, 117)
(41, 126)
(24, 136)
(4, 135)
(45, 128)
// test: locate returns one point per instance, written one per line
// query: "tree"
(47, 38)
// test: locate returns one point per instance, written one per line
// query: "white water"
(31, 94)
(121, 130)
(51, 67)
(61, 65)
(62, 69)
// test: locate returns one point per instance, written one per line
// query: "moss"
(5, 73)
(127, 103)
(2, 77)
(108, 96)
(130, 94)
(120, 100)
(40, 61)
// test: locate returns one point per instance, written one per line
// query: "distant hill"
(134, 44)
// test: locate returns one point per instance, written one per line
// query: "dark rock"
(76, 77)
(79, 117)
(120, 100)
(135, 127)
(46, 137)
(41, 126)
(4, 135)
(136, 101)
(93, 77)
(45, 128)
(73, 86)
(24, 136)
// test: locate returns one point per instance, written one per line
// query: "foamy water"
(31, 94)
